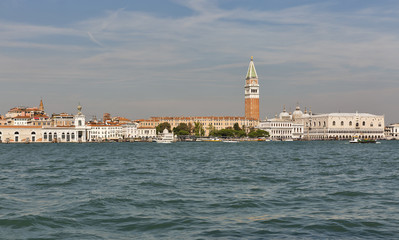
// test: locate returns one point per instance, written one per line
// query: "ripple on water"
(300, 190)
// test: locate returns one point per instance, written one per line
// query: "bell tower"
(251, 93)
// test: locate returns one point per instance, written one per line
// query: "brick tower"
(251, 93)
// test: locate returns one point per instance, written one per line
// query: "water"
(265, 190)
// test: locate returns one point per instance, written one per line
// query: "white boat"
(230, 141)
(288, 140)
(165, 137)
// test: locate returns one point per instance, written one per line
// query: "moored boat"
(365, 140)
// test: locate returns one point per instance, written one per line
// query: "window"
(364, 123)
(45, 135)
(333, 123)
(371, 124)
(350, 123)
(33, 133)
(254, 91)
(342, 123)
(16, 133)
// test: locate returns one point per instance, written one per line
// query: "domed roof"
(297, 113)
(284, 114)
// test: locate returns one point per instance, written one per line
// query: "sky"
(139, 59)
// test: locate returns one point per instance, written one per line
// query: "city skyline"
(175, 58)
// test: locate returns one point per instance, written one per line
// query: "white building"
(20, 134)
(342, 126)
(146, 132)
(392, 131)
(282, 127)
(21, 120)
(74, 133)
(104, 132)
(129, 130)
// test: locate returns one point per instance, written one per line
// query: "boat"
(213, 140)
(230, 141)
(165, 137)
(366, 140)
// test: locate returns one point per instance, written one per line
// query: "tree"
(181, 129)
(162, 126)
(198, 129)
(190, 127)
(258, 133)
(225, 133)
(212, 130)
(240, 133)
(236, 127)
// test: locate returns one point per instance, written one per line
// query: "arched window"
(364, 123)
(319, 124)
(342, 123)
(333, 123)
(379, 124)
(33, 133)
(0, 133)
(16, 133)
(350, 123)
(371, 124)
(63, 136)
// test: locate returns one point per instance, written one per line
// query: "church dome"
(284, 114)
(297, 113)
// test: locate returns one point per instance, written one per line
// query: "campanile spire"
(251, 92)
(41, 107)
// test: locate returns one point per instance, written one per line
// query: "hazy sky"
(171, 58)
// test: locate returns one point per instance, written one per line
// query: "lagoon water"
(252, 190)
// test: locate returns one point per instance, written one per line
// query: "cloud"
(94, 40)
(303, 47)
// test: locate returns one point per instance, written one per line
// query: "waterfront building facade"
(251, 93)
(392, 132)
(68, 133)
(282, 127)
(342, 126)
(146, 133)
(20, 134)
(129, 130)
(104, 132)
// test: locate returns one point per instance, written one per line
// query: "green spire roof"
(251, 70)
